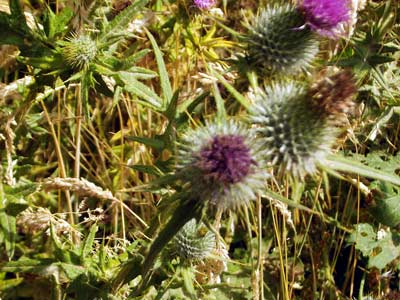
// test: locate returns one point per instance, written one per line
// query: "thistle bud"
(296, 137)
(79, 51)
(279, 41)
(190, 245)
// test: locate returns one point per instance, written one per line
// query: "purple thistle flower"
(222, 163)
(204, 4)
(324, 16)
(225, 159)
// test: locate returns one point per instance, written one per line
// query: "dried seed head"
(33, 221)
(333, 95)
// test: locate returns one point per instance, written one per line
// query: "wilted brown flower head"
(333, 95)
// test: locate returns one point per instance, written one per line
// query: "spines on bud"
(190, 245)
(79, 51)
(295, 137)
(279, 41)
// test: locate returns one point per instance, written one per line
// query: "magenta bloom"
(324, 16)
(204, 4)
(226, 159)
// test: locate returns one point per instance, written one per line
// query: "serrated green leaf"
(88, 244)
(24, 265)
(162, 70)
(151, 142)
(132, 85)
(56, 24)
(380, 250)
(349, 165)
(8, 226)
(146, 169)
(121, 21)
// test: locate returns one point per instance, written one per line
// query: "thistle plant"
(284, 38)
(278, 41)
(297, 125)
(190, 245)
(223, 163)
(79, 51)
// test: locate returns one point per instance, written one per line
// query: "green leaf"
(8, 284)
(162, 70)
(88, 244)
(349, 165)
(72, 271)
(151, 142)
(8, 227)
(171, 110)
(56, 24)
(188, 278)
(364, 238)
(24, 265)
(381, 247)
(132, 85)
(21, 190)
(386, 203)
(221, 112)
(17, 16)
(121, 21)
(146, 169)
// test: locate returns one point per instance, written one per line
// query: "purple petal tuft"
(204, 4)
(225, 159)
(323, 16)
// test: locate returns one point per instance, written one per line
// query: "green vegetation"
(199, 149)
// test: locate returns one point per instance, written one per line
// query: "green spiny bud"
(190, 245)
(279, 41)
(79, 51)
(295, 136)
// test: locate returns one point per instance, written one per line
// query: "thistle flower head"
(296, 138)
(190, 245)
(223, 164)
(204, 4)
(79, 51)
(324, 16)
(278, 41)
(332, 96)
